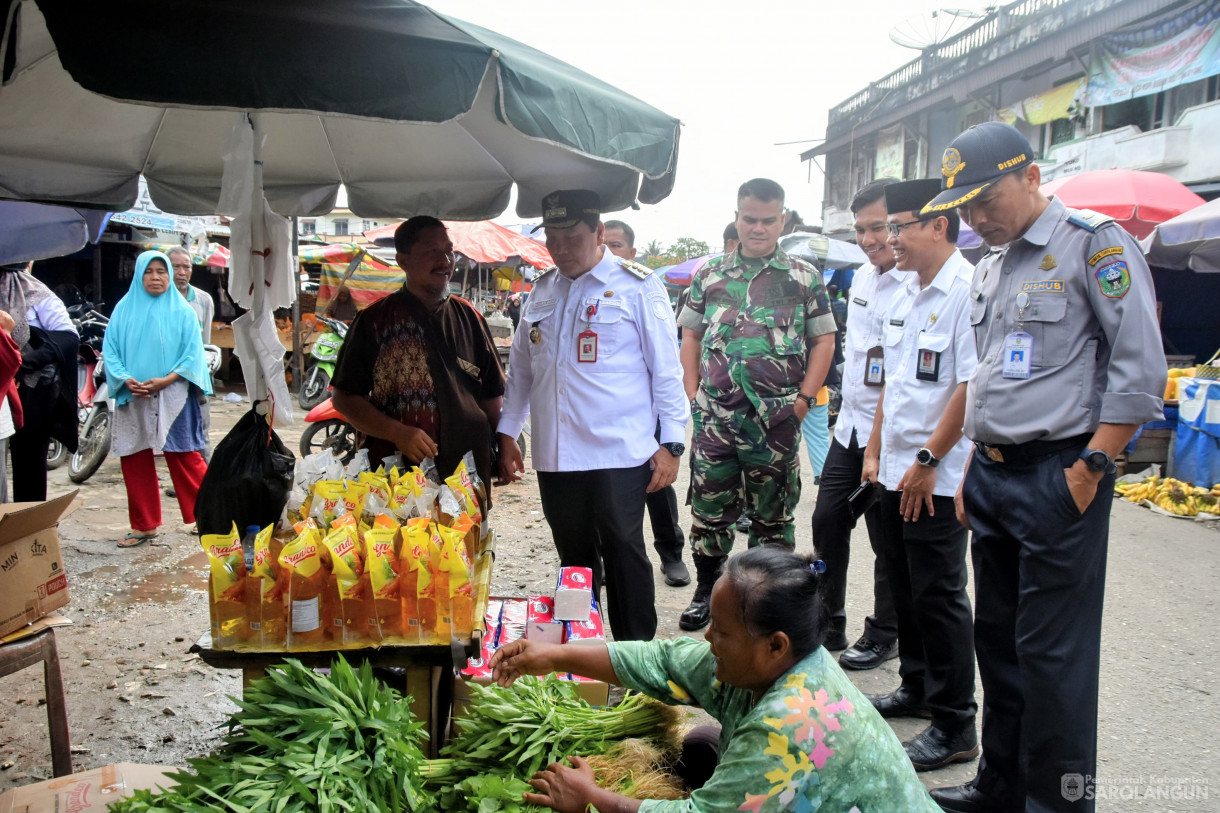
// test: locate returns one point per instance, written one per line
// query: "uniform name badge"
(874, 367)
(586, 346)
(1018, 355)
(927, 365)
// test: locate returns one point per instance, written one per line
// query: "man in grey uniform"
(1070, 364)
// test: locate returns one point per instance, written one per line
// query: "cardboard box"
(585, 632)
(32, 577)
(573, 594)
(86, 792)
(540, 623)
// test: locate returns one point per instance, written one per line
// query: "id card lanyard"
(1018, 345)
(586, 342)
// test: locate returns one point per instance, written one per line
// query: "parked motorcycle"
(328, 429)
(322, 356)
(91, 327)
(94, 444)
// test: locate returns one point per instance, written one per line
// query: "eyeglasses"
(892, 229)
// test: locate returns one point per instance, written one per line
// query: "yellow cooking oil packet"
(455, 570)
(226, 587)
(345, 605)
(463, 488)
(328, 501)
(354, 497)
(380, 493)
(301, 566)
(265, 593)
(412, 562)
(383, 569)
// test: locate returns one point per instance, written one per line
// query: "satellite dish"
(943, 24)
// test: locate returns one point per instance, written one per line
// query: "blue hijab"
(153, 336)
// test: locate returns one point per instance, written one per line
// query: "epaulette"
(638, 270)
(543, 273)
(1087, 219)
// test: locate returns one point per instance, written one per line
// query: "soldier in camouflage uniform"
(758, 337)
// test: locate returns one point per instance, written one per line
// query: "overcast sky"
(743, 77)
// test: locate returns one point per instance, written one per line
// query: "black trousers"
(832, 527)
(1039, 571)
(600, 514)
(28, 456)
(926, 562)
(667, 537)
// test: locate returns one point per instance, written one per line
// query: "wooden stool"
(40, 647)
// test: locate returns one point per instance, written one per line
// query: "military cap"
(978, 158)
(910, 196)
(564, 208)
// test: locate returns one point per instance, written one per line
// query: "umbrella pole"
(258, 230)
(298, 359)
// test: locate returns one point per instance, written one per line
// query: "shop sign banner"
(1170, 50)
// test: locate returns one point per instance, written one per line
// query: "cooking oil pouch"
(455, 575)
(428, 467)
(470, 534)
(226, 587)
(379, 493)
(476, 482)
(448, 507)
(384, 521)
(301, 560)
(264, 595)
(463, 489)
(354, 497)
(327, 501)
(383, 570)
(305, 524)
(412, 561)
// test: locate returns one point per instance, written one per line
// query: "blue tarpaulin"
(1197, 454)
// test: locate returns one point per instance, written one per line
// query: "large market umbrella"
(683, 272)
(35, 231)
(825, 251)
(1188, 241)
(258, 110)
(1137, 200)
(481, 241)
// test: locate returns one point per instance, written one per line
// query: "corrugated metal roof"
(1052, 50)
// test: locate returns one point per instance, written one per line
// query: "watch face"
(1097, 461)
(924, 456)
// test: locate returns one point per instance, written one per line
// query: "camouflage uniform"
(754, 316)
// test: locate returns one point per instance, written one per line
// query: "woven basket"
(1210, 368)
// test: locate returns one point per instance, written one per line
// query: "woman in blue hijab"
(155, 368)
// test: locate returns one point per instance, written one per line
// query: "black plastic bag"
(248, 479)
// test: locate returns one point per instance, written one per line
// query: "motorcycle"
(94, 444)
(322, 356)
(91, 327)
(328, 429)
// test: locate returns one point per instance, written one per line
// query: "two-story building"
(1093, 84)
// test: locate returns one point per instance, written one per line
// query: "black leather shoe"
(867, 654)
(969, 799)
(898, 703)
(676, 574)
(699, 611)
(935, 747)
(835, 641)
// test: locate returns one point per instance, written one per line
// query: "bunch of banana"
(1138, 492)
(1172, 495)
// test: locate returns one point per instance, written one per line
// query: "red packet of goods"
(574, 594)
(480, 666)
(585, 632)
(512, 621)
(540, 623)
(491, 619)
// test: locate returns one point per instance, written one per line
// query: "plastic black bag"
(248, 479)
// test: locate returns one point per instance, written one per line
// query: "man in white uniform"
(595, 362)
(918, 454)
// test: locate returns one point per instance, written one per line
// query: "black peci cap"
(565, 208)
(978, 158)
(910, 196)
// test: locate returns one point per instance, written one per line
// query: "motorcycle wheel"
(57, 453)
(316, 389)
(337, 435)
(93, 448)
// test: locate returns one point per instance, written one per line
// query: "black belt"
(1034, 450)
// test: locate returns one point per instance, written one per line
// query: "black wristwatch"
(675, 449)
(1098, 461)
(924, 457)
(811, 401)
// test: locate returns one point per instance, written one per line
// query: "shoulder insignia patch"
(636, 269)
(544, 272)
(1087, 219)
(1114, 279)
(1105, 252)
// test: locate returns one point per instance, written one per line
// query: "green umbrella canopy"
(415, 112)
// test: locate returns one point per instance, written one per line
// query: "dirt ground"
(135, 693)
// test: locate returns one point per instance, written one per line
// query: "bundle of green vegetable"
(303, 741)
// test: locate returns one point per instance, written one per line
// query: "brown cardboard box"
(32, 577)
(85, 792)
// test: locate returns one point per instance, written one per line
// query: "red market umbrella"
(1137, 200)
(683, 272)
(481, 241)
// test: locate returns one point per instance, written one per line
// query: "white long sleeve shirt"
(601, 414)
(872, 293)
(933, 320)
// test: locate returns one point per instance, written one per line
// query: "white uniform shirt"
(601, 414)
(872, 293)
(205, 310)
(935, 319)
